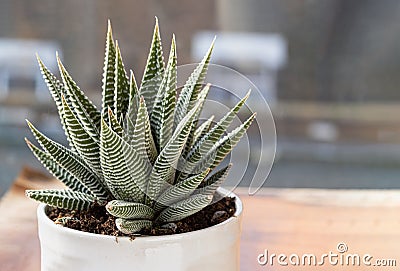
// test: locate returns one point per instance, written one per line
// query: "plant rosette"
(147, 159)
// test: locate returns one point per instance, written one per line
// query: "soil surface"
(98, 220)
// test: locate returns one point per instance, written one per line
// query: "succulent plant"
(144, 156)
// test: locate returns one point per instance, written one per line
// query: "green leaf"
(223, 147)
(133, 105)
(129, 210)
(66, 199)
(87, 147)
(121, 86)
(56, 89)
(154, 70)
(57, 171)
(142, 138)
(85, 110)
(191, 89)
(73, 163)
(132, 226)
(211, 184)
(166, 163)
(180, 191)
(124, 170)
(203, 129)
(184, 208)
(108, 73)
(189, 143)
(162, 117)
(115, 126)
(204, 144)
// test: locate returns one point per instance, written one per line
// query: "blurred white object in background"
(258, 56)
(18, 61)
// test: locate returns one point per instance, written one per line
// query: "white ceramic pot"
(214, 248)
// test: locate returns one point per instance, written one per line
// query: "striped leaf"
(211, 184)
(57, 171)
(154, 70)
(115, 126)
(142, 138)
(201, 99)
(66, 199)
(108, 73)
(184, 208)
(73, 163)
(129, 210)
(87, 147)
(165, 165)
(203, 129)
(191, 89)
(85, 110)
(162, 117)
(180, 191)
(121, 86)
(223, 147)
(124, 170)
(132, 226)
(56, 89)
(133, 105)
(129, 129)
(203, 145)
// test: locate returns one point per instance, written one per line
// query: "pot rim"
(42, 216)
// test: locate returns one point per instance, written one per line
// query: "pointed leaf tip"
(109, 27)
(29, 123)
(27, 141)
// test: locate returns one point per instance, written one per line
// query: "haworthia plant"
(144, 156)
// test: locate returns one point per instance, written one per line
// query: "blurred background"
(329, 69)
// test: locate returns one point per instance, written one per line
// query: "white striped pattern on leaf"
(121, 85)
(133, 106)
(165, 165)
(203, 145)
(84, 143)
(131, 226)
(66, 199)
(129, 210)
(85, 110)
(211, 184)
(108, 73)
(154, 70)
(203, 128)
(115, 126)
(142, 138)
(129, 128)
(201, 99)
(58, 171)
(162, 117)
(184, 208)
(56, 89)
(191, 89)
(73, 163)
(124, 170)
(223, 147)
(180, 191)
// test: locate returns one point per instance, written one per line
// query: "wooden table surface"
(282, 221)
